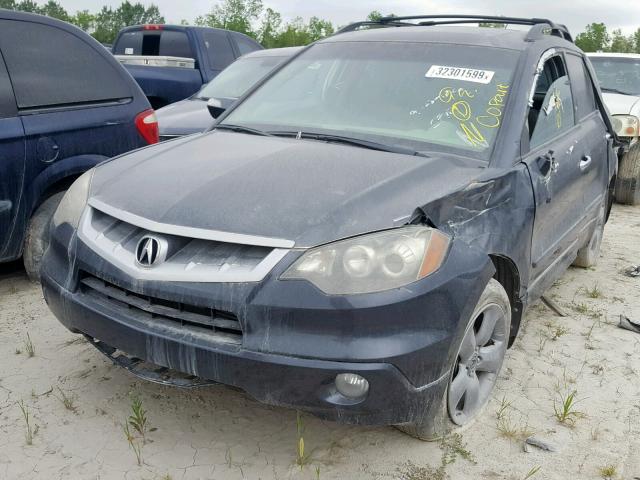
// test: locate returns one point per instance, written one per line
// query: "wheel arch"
(506, 272)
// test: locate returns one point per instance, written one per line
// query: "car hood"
(304, 191)
(185, 117)
(622, 104)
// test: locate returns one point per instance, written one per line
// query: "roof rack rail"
(539, 26)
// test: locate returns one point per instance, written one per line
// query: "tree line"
(264, 24)
(596, 38)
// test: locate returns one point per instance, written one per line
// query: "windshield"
(421, 96)
(618, 74)
(238, 77)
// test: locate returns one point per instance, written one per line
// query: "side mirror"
(215, 107)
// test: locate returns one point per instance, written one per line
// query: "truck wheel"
(628, 179)
(475, 367)
(588, 255)
(37, 239)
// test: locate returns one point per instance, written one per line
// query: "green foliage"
(595, 38)
(237, 15)
(264, 24)
(108, 22)
(621, 43)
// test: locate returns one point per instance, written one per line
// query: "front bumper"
(273, 379)
(295, 339)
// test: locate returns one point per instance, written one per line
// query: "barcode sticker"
(460, 73)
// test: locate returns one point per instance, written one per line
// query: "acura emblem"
(151, 251)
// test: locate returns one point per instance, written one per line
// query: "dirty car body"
(248, 227)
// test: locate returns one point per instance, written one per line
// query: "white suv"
(619, 78)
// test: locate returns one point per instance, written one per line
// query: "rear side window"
(174, 44)
(218, 48)
(581, 85)
(7, 101)
(164, 43)
(245, 45)
(129, 43)
(51, 67)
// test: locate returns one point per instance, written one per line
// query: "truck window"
(174, 44)
(51, 67)
(218, 48)
(245, 45)
(164, 43)
(129, 43)
(7, 101)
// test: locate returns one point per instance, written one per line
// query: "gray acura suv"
(360, 235)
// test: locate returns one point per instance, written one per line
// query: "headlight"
(73, 203)
(626, 125)
(374, 262)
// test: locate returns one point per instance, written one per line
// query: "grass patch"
(555, 331)
(29, 348)
(532, 472)
(29, 433)
(68, 400)
(302, 458)
(608, 472)
(593, 292)
(138, 418)
(565, 410)
(452, 448)
(134, 443)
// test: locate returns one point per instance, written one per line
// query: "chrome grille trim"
(190, 259)
(204, 234)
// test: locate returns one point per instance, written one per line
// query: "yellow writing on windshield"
(462, 111)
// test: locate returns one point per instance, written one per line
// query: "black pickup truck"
(172, 62)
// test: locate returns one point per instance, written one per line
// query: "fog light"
(352, 385)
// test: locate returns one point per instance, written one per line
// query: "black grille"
(222, 323)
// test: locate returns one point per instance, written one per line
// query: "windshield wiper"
(357, 142)
(241, 129)
(614, 90)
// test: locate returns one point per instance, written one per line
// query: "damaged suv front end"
(353, 238)
(358, 330)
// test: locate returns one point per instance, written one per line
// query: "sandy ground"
(217, 433)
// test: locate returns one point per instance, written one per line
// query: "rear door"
(11, 157)
(591, 152)
(553, 161)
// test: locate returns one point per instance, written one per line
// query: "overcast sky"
(574, 13)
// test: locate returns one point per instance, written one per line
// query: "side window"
(175, 44)
(49, 66)
(129, 43)
(581, 86)
(218, 48)
(245, 45)
(552, 110)
(7, 100)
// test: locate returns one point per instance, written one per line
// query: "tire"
(37, 239)
(472, 377)
(588, 255)
(628, 179)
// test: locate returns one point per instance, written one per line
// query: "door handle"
(585, 162)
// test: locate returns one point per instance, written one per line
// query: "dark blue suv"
(65, 105)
